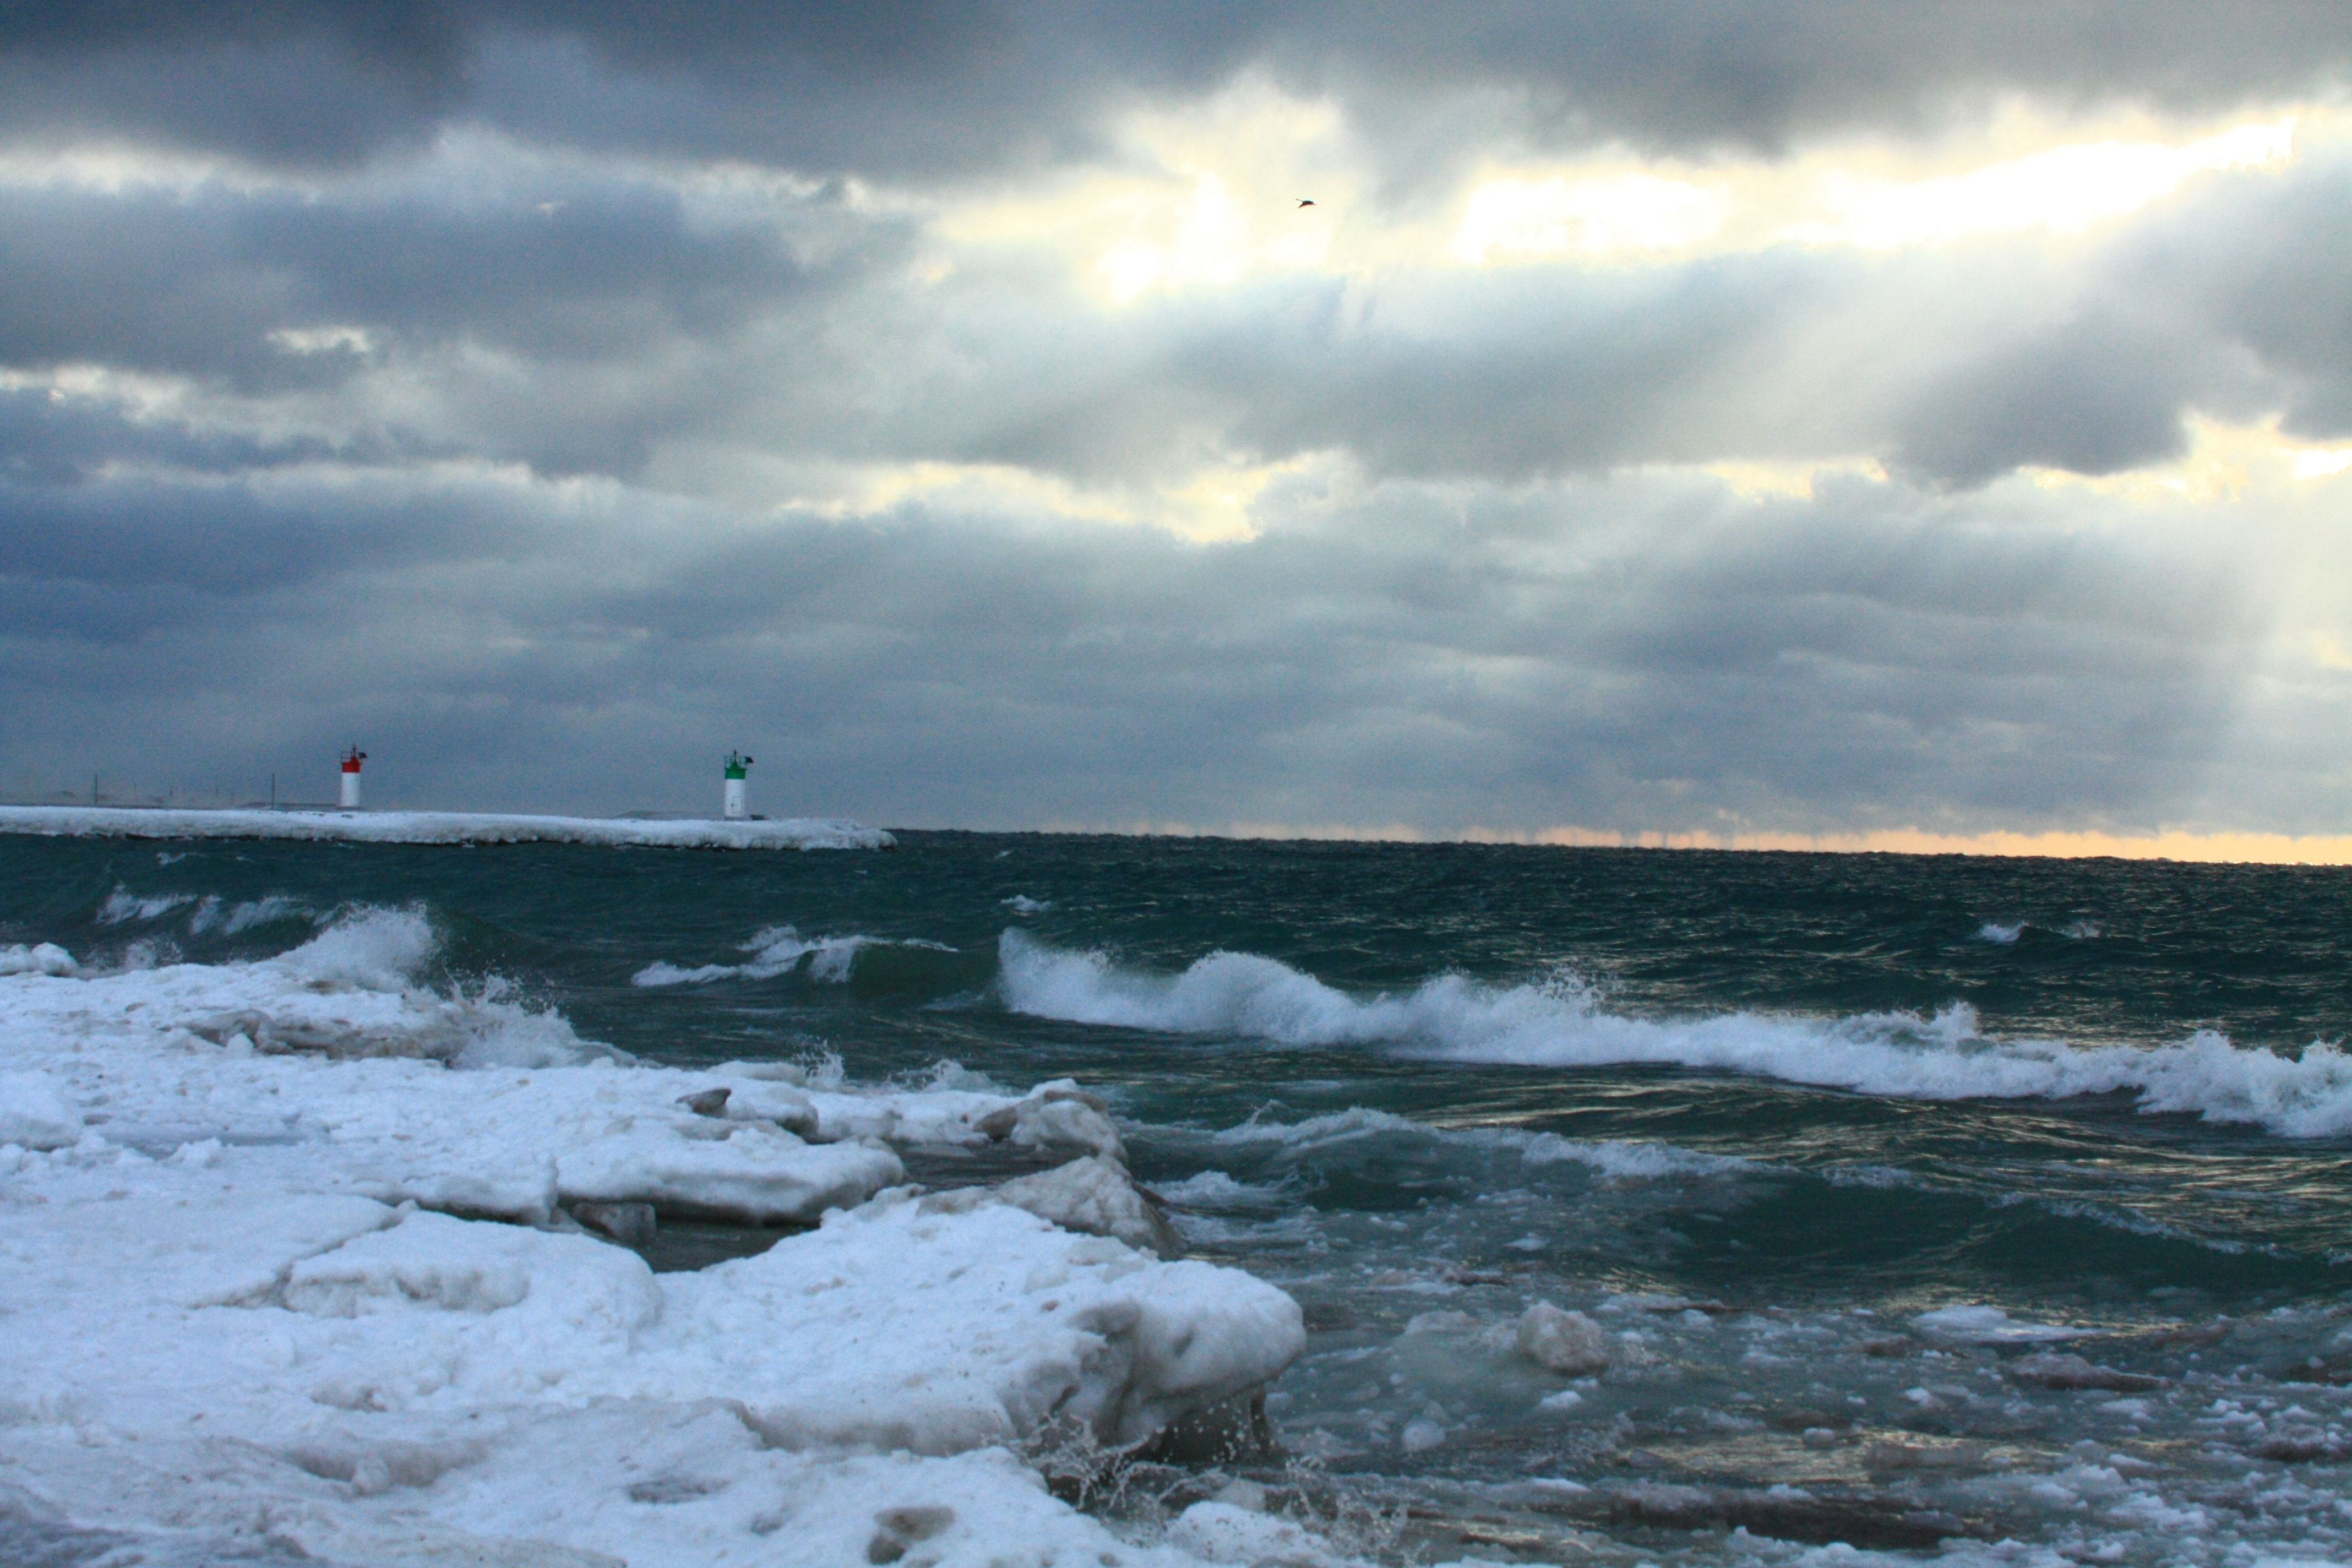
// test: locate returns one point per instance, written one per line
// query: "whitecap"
(371, 947)
(123, 905)
(1338, 1127)
(1629, 1161)
(1561, 1023)
(1215, 1190)
(779, 950)
(231, 918)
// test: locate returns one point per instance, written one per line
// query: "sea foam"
(1561, 1023)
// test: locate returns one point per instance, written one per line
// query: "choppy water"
(1757, 1114)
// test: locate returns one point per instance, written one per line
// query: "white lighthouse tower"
(351, 761)
(735, 809)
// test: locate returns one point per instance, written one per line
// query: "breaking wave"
(1620, 1160)
(1561, 1023)
(780, 949)
(123, 905)
(230, 919)
(359, 987)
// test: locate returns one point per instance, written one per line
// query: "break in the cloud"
(1759, 422)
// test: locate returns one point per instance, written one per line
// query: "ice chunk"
(42, 958)
(2066, 1369)
(762, 1099)
(751, 1171)
(1989, 1326)
(924, 1116)
(1566, 1343)
(1061, 1115)
(1093, 1195)
(1420, 1436)
(1057, 1117)
(936, 1333)
(34, 1115)
(631, 1225)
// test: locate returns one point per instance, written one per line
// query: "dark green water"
(1424, 1086)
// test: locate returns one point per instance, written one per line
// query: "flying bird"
(1303, 204)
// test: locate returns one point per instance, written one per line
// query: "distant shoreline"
(328, 825)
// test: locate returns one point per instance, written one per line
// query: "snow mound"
(431, 1262)
(34, 1115)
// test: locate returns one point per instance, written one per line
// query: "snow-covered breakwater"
(295, 1265)
(439, 828)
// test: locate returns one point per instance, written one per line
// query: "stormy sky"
(1747, 422)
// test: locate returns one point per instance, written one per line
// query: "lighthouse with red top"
(351, 761)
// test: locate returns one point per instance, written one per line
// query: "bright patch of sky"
(1208, 197)
(2065, 190)
(1630, 215)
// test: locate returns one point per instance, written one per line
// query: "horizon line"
(2180, 845)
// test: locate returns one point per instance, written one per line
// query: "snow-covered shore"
(438, 828)
(255, 1302)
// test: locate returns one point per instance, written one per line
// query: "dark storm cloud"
(197, 543)
(195, 283)
(1622, 654)
(2264, 264)
(1505, 375)
(47, 440)
(2097, 396)
(2234, 303)
(621, 322)
(278, 82)
(1728, 75)
(962, 86)
(1517, 373)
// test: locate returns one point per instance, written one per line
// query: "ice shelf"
(438, 828)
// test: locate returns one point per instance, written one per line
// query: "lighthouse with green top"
(738, 765)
